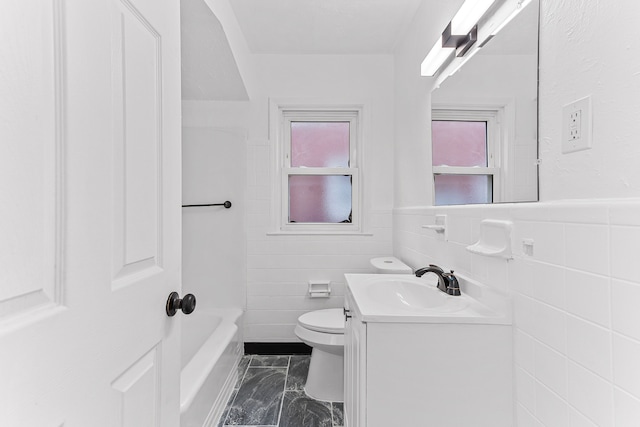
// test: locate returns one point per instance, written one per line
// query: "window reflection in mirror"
(497, 88)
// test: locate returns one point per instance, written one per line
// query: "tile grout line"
(284, 390)
(265, 367)
(240, 381)
(333, 424)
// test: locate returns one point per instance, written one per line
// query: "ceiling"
(323, 26)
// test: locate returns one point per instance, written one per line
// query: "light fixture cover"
(469, 15)
(434, 60)
(461, 24)
(521, 5)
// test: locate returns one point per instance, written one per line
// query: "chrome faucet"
(447, 282)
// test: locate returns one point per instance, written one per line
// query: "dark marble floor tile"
(259, 397)
(299, 410)
(272, 361)
(337, 411)
(298, 370)
(250, 373)
(242, 368)
(223, 417)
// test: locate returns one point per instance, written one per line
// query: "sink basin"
(404, 298)
(413, 295)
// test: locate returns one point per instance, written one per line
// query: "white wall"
(214, 170)
(579, 58)
(279, 267)
(577, 331)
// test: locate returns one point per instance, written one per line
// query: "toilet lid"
(330, 321)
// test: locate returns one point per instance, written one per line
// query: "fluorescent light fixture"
(463, 61)
(434, 60)
(459, 34)
(521, 5)
(469, 15)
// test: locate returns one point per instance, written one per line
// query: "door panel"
(139, 396)
(30, 154)
(137, 76)
(90, 186)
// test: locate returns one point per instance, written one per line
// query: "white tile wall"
(213, 247)
(626, 408)
(625, 304)
(591, 395)
(550, 409)
(524, 417)
(576, 302)
(626, 354)
(594, 303)
(551, 368)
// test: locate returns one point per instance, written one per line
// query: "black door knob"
(186, 304)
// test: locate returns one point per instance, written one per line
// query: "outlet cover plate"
(576, 125)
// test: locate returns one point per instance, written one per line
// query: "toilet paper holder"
(319, 289)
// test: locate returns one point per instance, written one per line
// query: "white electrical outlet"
(576, 125)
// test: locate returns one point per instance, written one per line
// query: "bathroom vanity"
(415, 356)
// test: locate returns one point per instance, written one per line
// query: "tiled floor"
(270, 392)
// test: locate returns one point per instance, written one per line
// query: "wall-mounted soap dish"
(495, 239)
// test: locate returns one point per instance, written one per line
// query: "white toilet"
(324, 331)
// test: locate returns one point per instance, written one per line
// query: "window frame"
(493, 117)
(288, 113)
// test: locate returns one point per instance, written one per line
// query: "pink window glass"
(320, 198)
(320, 144)
(463, 189)
(459, 143)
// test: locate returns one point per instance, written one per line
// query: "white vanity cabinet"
(355, 344)
(426, 374)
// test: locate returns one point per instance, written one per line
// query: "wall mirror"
(485, 120)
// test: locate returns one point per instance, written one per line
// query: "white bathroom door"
(89, 212)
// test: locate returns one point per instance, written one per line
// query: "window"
(465, 148)
(319, 172)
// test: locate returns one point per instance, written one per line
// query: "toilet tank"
(390, 265)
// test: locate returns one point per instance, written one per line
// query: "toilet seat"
(332, 343)
(328, 321)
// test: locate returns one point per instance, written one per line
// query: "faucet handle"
(453, 286)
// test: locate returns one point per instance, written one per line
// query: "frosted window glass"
(459, 143)
(319, 198)
(320, 144)
(463, 189)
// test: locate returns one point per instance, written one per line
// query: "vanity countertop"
(405, 298)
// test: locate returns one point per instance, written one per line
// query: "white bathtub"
(211, 350)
